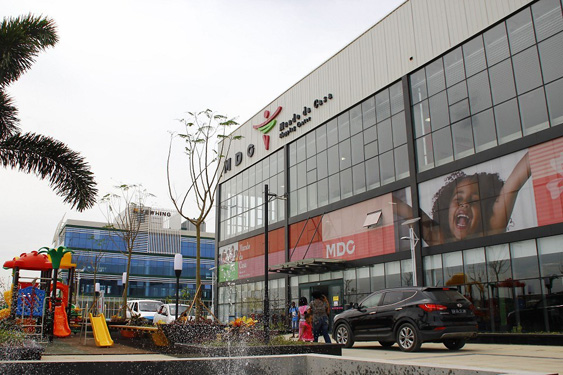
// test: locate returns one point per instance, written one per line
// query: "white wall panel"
(422, 36)
(423, 29)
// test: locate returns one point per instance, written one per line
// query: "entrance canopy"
(309, 266)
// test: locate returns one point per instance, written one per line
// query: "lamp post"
(413, 239)
(97, 294)
(212, 269)
(178, 271)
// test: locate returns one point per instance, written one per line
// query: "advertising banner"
(517, 191)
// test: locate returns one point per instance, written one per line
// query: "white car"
(145, 308)
(167, 313)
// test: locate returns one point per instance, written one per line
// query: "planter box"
(27, 351)
(236, 350)
(519, 338)
(190, 333)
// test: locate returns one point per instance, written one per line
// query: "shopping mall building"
(445, 118)
(101, 253)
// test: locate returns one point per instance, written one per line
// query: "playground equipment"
(30, 302)
(101, 331)
(61, 327)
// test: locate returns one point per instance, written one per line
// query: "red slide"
(61, 328)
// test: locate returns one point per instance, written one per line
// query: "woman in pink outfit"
(303, 307)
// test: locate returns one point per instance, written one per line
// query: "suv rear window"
(444, 295)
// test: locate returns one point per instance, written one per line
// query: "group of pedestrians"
(311, 319)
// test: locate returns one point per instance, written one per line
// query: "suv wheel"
(408, 338)
(454, 344)
(344, 336)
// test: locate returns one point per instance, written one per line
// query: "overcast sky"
(123, 72)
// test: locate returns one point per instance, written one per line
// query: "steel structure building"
(429, 143)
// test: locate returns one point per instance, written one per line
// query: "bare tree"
(206, 144)
(126, 211)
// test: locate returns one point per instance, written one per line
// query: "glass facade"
(100, 252)
(359, 150)
(242, 197)
(495, 88)
(486, 113)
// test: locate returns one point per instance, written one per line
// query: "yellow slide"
(100, 329)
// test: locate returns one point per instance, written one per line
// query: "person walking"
(303, 307)
(321, 311)
(294, 316)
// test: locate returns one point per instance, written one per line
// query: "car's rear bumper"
(457, 332)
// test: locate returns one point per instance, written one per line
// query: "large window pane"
(439, 116)
(524, 259)
(520, 31)
(396, 97)
(421, 119)
(462, 133)
(359, 178)
(382, 105)
(370, 134)
(384, 136)
(322, 165)
(551, 261)
(527, 70)
(301, 152)
(399, 129)
(502, 82)
(311, 144)
(547, 18)
(551, 55)
(508, 121)
(333, 160)
(443, 151)
(346, 183)
(334, 188)
(457, 92)
(554, 93)
(484, 132)
(459, 110)
(345, 154)
(371, 150)
(401, 162)
(387, 167)
(332, 132)
(393, 274)
(372, 173)
(424, 153)
(368, 112)
(496, 44)
(474, 264)
(418, 86)
(357, 148)
(433, 275)
(453, 265)
(356, 125)
(302, 200)
(479, 92)
(498, 263)
(474, 55)
(377, 277)
(533, 111)
(322, 192)
(320, 135)
(436, 80)
(301, 175)
(344, 126)
(454, 67)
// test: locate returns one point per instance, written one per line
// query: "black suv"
(408, 316)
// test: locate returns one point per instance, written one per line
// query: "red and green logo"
(268, 125)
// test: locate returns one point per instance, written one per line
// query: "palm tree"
(21, 39)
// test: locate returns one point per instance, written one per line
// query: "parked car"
(145, 308)
(408, 316)
(167, 313)
(533, 317)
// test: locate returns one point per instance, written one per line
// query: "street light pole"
(266, 297)
(413, 240)
(178, 271)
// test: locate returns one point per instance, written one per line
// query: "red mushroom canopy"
(30, 261)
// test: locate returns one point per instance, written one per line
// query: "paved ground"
(506, 359)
